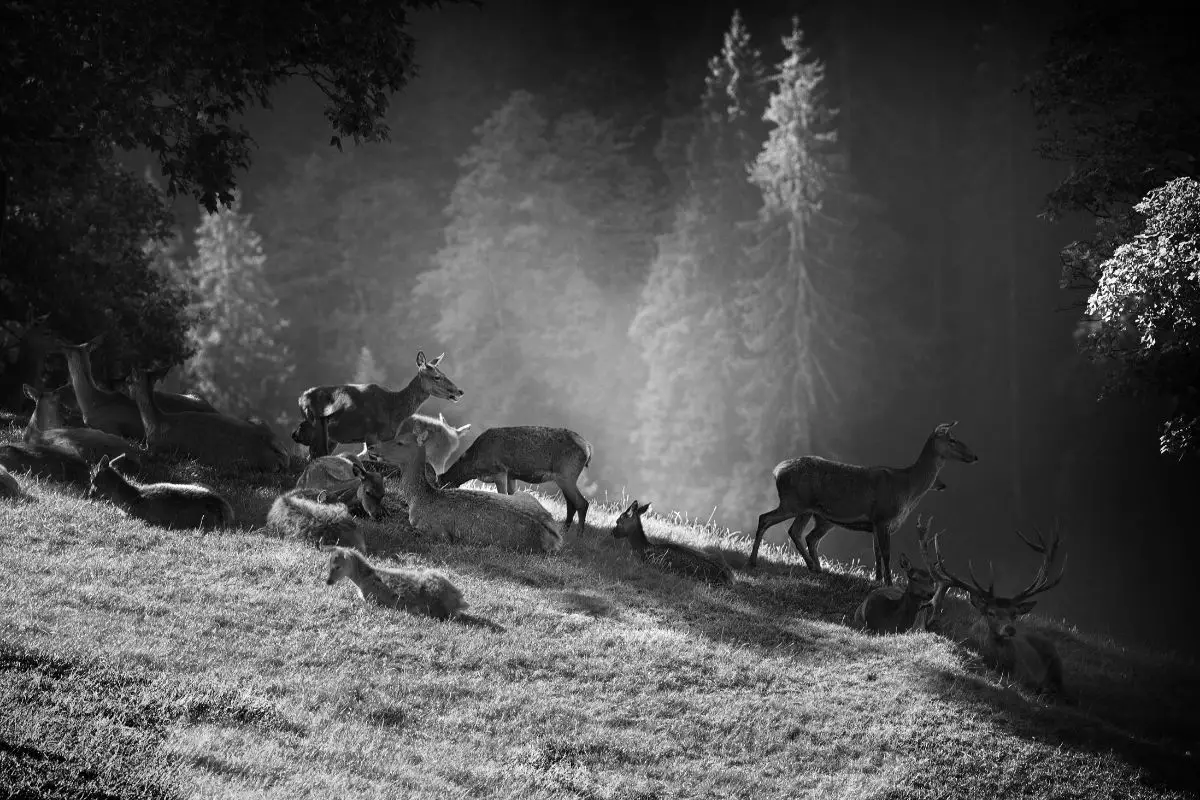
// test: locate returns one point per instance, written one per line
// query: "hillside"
(141, 663)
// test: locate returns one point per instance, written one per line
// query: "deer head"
(948, 447)
(629, 519)
(434, 381)
(1001, 613)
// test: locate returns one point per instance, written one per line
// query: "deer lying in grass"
(666, 555)
(46, 427)
(1029, 659)
(420, 591)
(215, 439)
(45, 461)
(890, 610)
(298, 515)
(346, 481)
(113, 412)
(9, 488)
(529, 453)
(170, 505)
(367, 412)
(874, 500)
(462, 515)
(441, 441)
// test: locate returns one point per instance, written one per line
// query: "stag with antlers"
(1026, 657)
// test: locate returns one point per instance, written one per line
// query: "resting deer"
(420, 591)
(215, 439)
(367, 412)
(45, 461)
(346, 481)
(113, 412)
(1028, 658)
(441, 442)
(474, 518)
(874, 500)
(46, 427)
(170, 505)
(667, 555)
(890, 610)
(529, 453)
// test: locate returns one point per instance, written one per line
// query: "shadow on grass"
(473, 621)
(1163, 764)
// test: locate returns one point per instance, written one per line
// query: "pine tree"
(811, 362)
(367, 371)
(685, 328)
(544, 238)
(239, 365)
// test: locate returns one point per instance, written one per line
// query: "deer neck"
(120, 491)
(152, 419)
(923, 473)
(404, 403)
(637, 538)
(42, 419)
(416, 487)
(87, 393)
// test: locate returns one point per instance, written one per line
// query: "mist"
(534, 187)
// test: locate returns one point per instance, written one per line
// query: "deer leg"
(795, 533)
(765, 521)
(822, 527)
(883, 554)
(575, 502)
(319, 445)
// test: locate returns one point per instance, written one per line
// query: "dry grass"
(139, 662)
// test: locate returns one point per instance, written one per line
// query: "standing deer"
(367, 412)
(875, 500)
(113, 412)
(529, 453)
(890, 610)
(1028, 658)
(218, 440)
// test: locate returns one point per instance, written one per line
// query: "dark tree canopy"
(172, 76)
(1116, 97)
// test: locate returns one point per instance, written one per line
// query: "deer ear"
(1026, 607)
(102, 463)
(437, 360)
(643, 508)
(420, 358)
(94, 343)
(30, 392)
(321, 495)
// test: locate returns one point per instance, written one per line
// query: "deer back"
(530, 453)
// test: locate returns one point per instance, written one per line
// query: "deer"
(875, 500)
(528, 453)
(462, 515)
(667, 555)
(297, 515)
(344, 479)
(169, 505)
(889, 610)
(9, 488)
(46, 427)
(113, 412)
(1029, 659)
(367, 412)
(45, 461)
(218, 440)
(420, 591)
(441, 443)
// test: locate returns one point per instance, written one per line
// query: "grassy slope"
(136, 662)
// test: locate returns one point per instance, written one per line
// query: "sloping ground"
(136, 662)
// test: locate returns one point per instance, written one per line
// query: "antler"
(1042, 582)
(932, 553)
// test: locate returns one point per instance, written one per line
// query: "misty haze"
(955, 242)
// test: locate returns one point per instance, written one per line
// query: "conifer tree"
(685, 329)
(239, 365)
